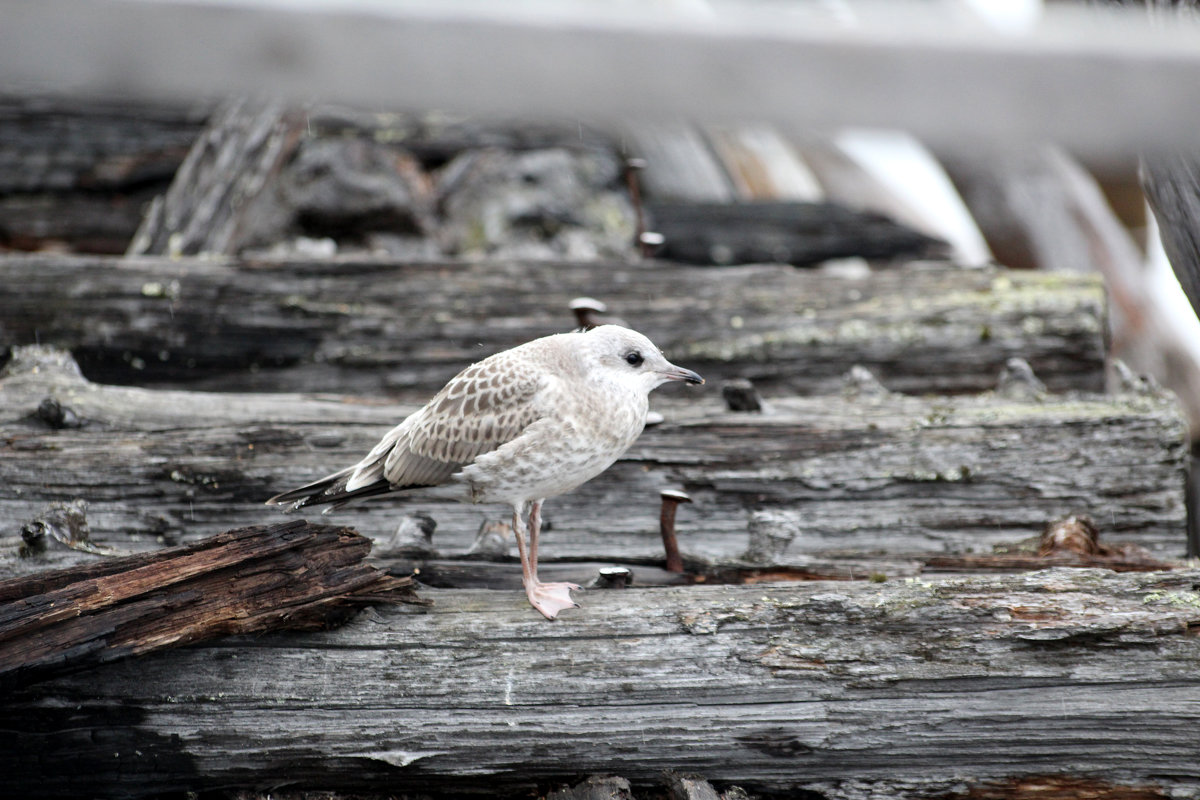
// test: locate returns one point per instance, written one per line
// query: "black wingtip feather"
(332, 492)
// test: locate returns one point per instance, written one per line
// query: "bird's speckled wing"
(485, 406)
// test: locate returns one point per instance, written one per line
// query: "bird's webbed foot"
(551, 598)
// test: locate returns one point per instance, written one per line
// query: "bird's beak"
(674, 373)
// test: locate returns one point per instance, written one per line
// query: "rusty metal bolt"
(632, 167)
(740, 395)
(585, 310)
(612, 578)
(650, 242)
(590, 313)
(671, 498)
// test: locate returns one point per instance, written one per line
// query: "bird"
(517, 428)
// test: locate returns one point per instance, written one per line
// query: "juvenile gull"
(518, 427)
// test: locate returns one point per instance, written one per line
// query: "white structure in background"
(1166, 295)
(926, 199)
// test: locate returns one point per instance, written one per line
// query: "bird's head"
(630, 359)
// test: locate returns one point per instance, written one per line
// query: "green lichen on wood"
(1004, 306)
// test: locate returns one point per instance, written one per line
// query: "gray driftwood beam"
(840, 486)
(370, 327)
(919, 686)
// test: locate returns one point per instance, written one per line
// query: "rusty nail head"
(674, 495)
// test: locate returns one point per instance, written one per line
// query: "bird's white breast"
(591, 430)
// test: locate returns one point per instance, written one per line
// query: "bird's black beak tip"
(680, 374)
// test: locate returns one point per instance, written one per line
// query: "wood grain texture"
(779, 688)
(284, 576)
(840, 486)
(371, 327)
(789, 232)
(76, 172)
(214, 196)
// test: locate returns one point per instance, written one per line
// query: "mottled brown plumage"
(518, 427)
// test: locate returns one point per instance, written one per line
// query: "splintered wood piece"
(291, 575)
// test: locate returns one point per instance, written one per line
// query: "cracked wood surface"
(284, 576)
(371, 327)
(773, 687)
(839, 487)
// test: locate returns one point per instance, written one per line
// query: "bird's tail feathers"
(329, 489)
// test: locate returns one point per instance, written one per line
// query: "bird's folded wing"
(478, 411)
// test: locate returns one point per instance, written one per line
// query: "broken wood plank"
(289, 575)
(371, 327)
(830, 485)
(779, 689)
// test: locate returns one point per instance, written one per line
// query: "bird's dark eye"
(634, 359)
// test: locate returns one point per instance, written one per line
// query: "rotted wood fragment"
(65, 523)
(288, 576)
(612, 578)
(596, 787)
(860, 382)
(1017, 381)
(590, 313)
(1073, 541)
(689, 787)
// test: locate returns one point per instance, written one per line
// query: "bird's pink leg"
(548, 598)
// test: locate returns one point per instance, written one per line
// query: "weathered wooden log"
(213, 197)
(838, 486)
(437, 136)
(797, 233)
(289, 575)
(368, 327)
(915, 685)
(62, 145)
(75, 173)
